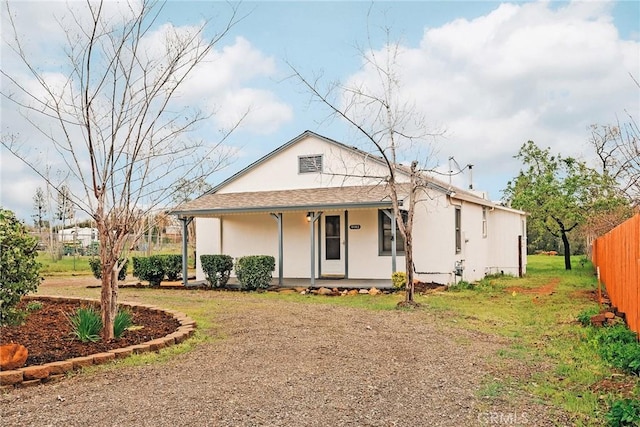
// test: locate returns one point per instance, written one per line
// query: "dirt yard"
(276, 363)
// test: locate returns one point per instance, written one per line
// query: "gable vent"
(310, 164)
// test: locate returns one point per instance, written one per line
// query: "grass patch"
(547, 352)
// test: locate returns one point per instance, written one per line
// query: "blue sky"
(492, 74)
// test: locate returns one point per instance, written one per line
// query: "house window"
(484, 221)
(458, 222)
(385, 237)
(310, 164)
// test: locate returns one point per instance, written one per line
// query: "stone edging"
(38, 374)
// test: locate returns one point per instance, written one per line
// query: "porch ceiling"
(308, 199)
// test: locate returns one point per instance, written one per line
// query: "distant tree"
(65, 207)
(114, 114)
(560, 193)
(40, 208)
(618, 149)
(185, 191)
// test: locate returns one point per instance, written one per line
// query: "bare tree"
(115, 116)
(618, 149)
(390, 128)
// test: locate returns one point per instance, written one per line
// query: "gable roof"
(212, 203)
(274, 153)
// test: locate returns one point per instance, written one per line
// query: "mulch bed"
(48, 337)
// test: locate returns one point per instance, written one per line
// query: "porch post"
(313, 218)
(346, 244)
(392, 217)
(278, 218)
(185, 256)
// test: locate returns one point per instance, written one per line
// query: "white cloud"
(523, 71)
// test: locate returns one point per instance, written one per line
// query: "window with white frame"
(484, 222)
(385, 237)
(310, 164)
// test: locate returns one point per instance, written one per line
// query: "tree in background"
(560, 193)
(19, 271)
(40, 208)
(114, 114)
(618, 150)
(185, 191)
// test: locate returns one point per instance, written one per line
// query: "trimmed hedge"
(96, 268)
(172, 266)
(217, 269)
(254, 271)
(151, 269)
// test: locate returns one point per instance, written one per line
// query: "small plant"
(172, 266)
(217, 269)
(585, 316)
(399, 280)
(86, 324)
(122, 322)
(254, 272)
(460, 286)
(96, 268)
(623, 413)
(34, 306)
(151, 269)
(618, 346)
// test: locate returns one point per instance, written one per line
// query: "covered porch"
(327, 237)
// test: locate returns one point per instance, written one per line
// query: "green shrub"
(460, 286)
(19, 271)
(254, 271)
(86, 324)
(585, 316)
(217, 269)
(96, 268)
(151, 269)
(123, 320)
(399, 280)
(172, 266)
(623, 413)
(618, 346)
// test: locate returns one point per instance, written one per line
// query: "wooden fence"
(617, 256)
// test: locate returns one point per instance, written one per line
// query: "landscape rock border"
(53, 371)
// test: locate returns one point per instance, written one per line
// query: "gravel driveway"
(292, 364)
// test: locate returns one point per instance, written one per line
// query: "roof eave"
(267, 209)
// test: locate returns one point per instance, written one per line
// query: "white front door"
(333, 245)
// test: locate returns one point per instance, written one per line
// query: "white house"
(83, 236)
(322, 209)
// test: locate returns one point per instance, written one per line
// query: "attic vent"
(310, 164)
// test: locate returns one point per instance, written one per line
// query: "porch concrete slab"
(304, 282)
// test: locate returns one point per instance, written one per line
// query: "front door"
(332, 246)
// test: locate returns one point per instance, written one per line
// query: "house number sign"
(354, 226)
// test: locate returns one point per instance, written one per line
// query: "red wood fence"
(617, 256)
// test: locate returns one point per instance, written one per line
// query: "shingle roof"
(287, 200)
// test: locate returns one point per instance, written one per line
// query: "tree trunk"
(408, 256)
(567, 251)
(106, 300)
